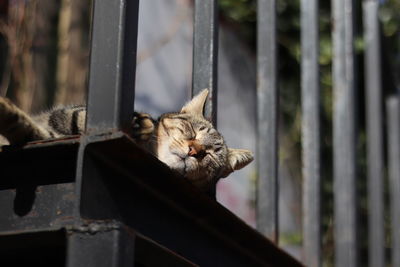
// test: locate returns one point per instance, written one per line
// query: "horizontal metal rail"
(122, 182)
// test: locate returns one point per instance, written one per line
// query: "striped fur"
(185, 141)
(19, 128)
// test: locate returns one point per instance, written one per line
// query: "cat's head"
(189, 144)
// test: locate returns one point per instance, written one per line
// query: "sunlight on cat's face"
(189, 144)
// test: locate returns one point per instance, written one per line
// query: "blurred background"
(44, 52)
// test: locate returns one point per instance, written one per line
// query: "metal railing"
(110, 105)
(99, 199)
(345, 134)
(111, 112)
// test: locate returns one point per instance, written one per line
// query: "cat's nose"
(196, 150)
(192, 151)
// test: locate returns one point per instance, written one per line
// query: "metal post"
(112, 65)
(344, 136)
(311, 133)
(374, 133)
(100, 244)
(393, 122)
(267, 104)
(111, 76)
(205, 54)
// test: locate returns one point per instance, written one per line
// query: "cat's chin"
(188, 167)
(174, 162)
(196, 175)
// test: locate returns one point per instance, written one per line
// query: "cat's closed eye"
(218, 149)
(181, 130)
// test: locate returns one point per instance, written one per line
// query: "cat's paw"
(142, 126)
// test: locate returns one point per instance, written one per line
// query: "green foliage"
(390, 16)
(243, 14)
(290, 239)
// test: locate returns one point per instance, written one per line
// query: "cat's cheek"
(174, 162)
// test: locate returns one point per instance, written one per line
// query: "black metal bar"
(393, 122)
(37, 186)
(159, 256)
(344, 136)
(310, 133)
(267, 104)
(205, 54)
(100, 244)
(121, 181)
(374, 133)
(33, 248)
(112, 64)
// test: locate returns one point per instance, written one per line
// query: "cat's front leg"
(17, 126)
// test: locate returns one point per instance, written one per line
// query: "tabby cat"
(185, 140)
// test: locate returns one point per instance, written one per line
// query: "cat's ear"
(237, 159)
(196, 105)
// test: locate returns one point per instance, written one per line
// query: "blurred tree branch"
(44, 51)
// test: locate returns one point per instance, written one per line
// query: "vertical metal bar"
(393, 122)
(344, 136)
(112, 64)
(267, 105)
(310, 133)
(205, 54)
(112, 73)
(100, 246)
(374, 133)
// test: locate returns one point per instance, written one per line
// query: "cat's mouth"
(188, 166)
